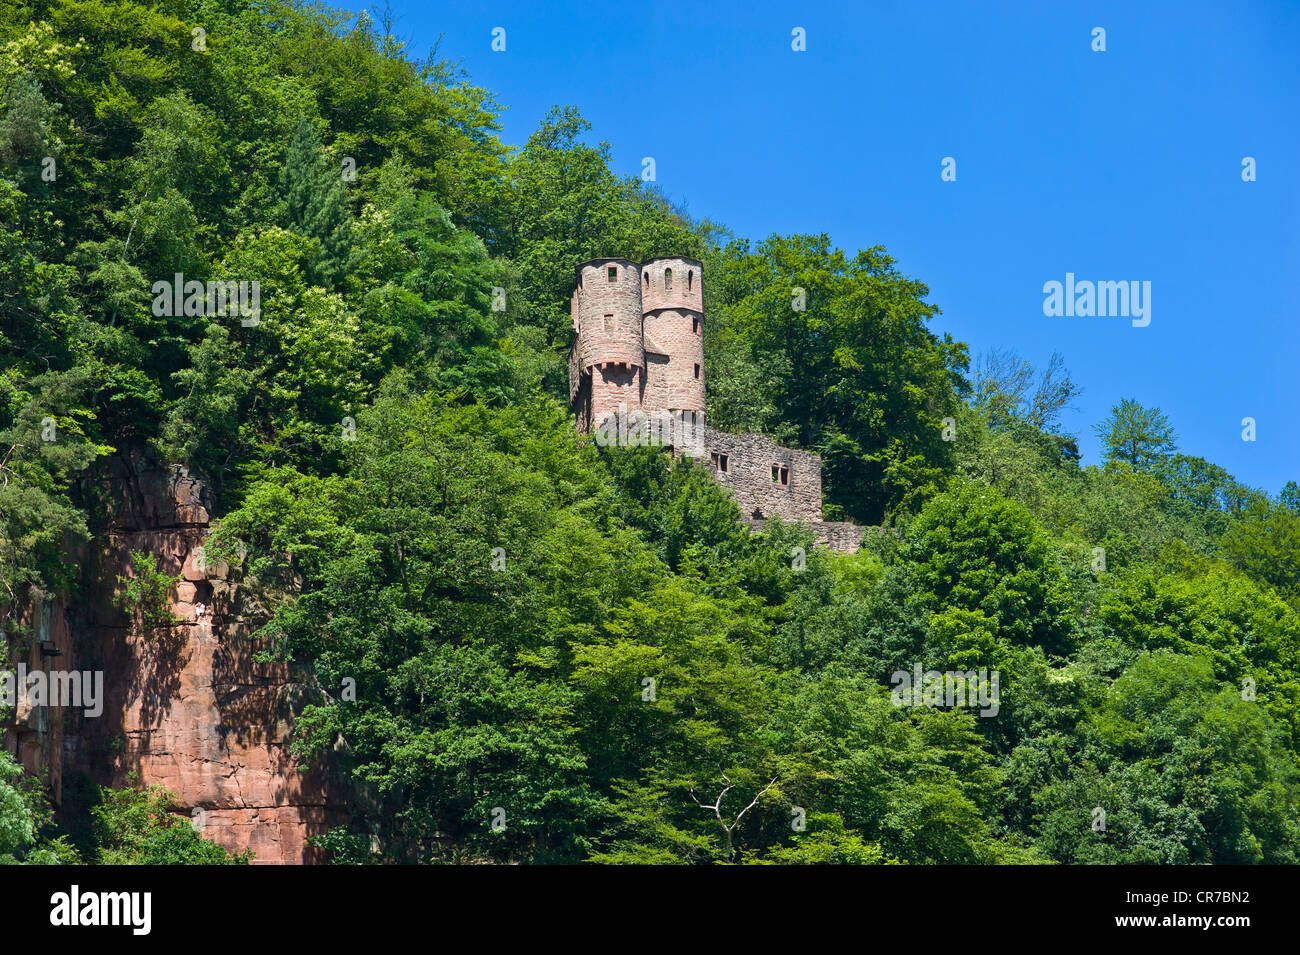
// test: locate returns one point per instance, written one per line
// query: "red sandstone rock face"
(188, 709)
(36, 734)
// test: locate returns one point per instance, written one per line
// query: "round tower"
(672, 298)
(611, 349)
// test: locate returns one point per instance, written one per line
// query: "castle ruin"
(638, 358)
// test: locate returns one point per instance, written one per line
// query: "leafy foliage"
(25, 821)
(134, 827)
(1141, 437)
(521, 647)
(144, 595)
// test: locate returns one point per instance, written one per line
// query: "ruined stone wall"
(834, 535)
(839, 535)
(187, 707)
(750, 458)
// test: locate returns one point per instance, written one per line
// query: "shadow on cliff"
(137, 505)
(156, 679)
(196, 686)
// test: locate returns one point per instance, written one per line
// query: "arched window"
(668, 279)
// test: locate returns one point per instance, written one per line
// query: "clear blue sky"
(1117, 165)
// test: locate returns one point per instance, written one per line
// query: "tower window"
(697, 371)
(690, 279)
(613, 273)
(668, 279)
(647, 280)
(695, 324)
(609, 323)
(780, 475)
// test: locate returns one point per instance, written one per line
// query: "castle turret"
(610, 348)
(672, 299)
(640, 348)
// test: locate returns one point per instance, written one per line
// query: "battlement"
(672, 282)
(638, 359)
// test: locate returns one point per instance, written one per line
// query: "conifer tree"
(313, 203)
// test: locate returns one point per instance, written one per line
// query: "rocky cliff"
(188, 707)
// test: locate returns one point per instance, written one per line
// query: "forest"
(635, 677)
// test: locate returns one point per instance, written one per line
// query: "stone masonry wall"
(687, 292)
(607, 317)
(839, 535)
(609, 314)
(750, 458)
(637, 321)
(614, 389)
(834, 535)
(674, 328)
(678, 343)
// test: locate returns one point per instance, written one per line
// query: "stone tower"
(607, 366)
(672, 299)
(639, 357)
(640, 344)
